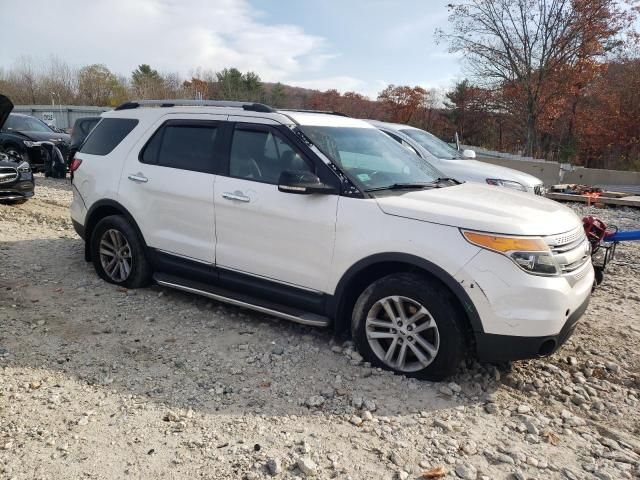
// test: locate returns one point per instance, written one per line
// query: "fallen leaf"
(552, 438)
(437, 472)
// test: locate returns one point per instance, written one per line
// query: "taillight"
(75, 163)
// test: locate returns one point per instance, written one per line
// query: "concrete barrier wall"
(596, 176)
(61, 116)
(548, 172)
(551, 173)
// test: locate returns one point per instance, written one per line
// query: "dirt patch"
(100, 382)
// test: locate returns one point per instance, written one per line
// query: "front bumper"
(20, 189)
(502, 348)
(522, 315)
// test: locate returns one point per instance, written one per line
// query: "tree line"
(552, 79)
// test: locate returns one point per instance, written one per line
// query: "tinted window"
(433, 144)
(107, 135)
(401, 142)
(262, 156)
(87, 125)
(188, 147)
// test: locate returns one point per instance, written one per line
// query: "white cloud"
(170, 35)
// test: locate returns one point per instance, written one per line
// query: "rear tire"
(118, 253)
(410, 324)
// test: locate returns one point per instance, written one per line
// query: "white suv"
(324, 220)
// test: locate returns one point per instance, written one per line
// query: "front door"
(261, 231)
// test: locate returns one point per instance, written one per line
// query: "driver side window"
(261, 155)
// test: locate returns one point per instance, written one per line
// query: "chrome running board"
(255, 304)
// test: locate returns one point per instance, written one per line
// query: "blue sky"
(349, 44)
(375, 42)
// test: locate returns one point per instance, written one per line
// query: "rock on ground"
(98, 382)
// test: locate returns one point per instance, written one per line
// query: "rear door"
(168, 186)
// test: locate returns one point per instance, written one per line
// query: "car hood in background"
(5, 109)
(476, 171)
(483, 208)
(46, 136)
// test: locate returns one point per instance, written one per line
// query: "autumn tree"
(98, 86)
(25, 76)
(197, 88)
(403, 102)
(528, 43)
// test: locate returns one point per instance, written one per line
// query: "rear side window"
(107, 135)
(187, 147)
(87, 125)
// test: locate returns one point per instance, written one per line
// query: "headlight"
(24, 167)
(28, 143)
(531, 254)
(506, 183)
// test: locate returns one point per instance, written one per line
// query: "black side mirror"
(302, 182)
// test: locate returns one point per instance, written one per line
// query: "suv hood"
(5, 109)
(483, 208)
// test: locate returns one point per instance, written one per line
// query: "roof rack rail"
(249, 106)
(328, 112)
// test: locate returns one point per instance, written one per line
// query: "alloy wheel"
(402, 333)
(115, 255)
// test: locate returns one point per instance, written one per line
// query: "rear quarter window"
(107, 135)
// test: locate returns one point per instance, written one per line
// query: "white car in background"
(456, 164)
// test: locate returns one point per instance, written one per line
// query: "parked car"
(20, 135)
(324, 220)
(79, 131)
(458, 164)
(16, 178)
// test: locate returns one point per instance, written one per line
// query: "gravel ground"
(101, 382)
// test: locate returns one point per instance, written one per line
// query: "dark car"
(19, 136)
(16, 178)
(81, 129)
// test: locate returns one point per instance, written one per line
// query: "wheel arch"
(374, 267)
(100, 210)
(12, 142)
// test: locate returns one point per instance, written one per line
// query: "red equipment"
(602, 249)
(595, 230)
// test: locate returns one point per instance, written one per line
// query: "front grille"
(539, 190)
(571, 250)
(8, 174)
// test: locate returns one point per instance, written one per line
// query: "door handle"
(238, 196)
(138, 178)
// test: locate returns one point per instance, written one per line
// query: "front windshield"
(433, 144)
(26, 124)
(370, 158)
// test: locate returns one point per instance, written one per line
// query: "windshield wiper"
(446, 179)
(401, 186)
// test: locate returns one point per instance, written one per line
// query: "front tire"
(118, 254)
(410, 324)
